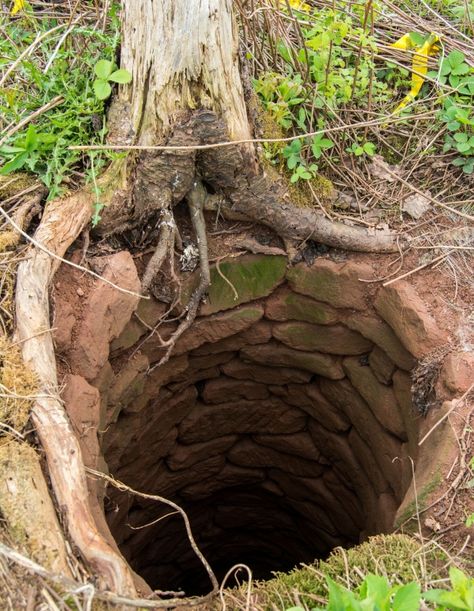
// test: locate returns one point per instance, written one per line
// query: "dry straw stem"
(199, 147)
(18, 385)
(28, 51)
(417, 269)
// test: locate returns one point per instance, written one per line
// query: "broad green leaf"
(461, 137)
(454, 80)
(15, 164)
(369, 148)
(407, 598)
(102, 89)
(463, 147)
(468, 168)
(461, 69)
(31, 139)
(6, 149)
(458, 578)
(121, 76)
(445, 68)
(417, 38)
(292, 161)
(453, 126)
(103, 69)
(455, 58)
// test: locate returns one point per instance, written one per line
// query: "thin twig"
(456, 403)
(57, 257)
(16, 128)
(154, 497)
(200, 147)
(417, 269)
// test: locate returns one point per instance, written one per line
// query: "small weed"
(366, 148)
(459, 598)
(335, 65)
(106, 73)
(376, 594)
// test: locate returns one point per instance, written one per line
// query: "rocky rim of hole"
(293, 389)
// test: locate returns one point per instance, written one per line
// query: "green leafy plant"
(459, 121)
(42, 147)
(453, 68)
(320, 144)
(367, 148)
(294, 161)
(459, 598)
(374, 594)
(106, 73)
(26, 151)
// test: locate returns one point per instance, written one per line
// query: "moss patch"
(18, 383)
(238, 281)
(398, 557)
(304, 193)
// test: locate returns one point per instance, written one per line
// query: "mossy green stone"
(247, 278)
(335, 283)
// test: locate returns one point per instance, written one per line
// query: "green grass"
(57, 67)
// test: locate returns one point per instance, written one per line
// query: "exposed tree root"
(165, 244)
(195, 198)
(61, 224)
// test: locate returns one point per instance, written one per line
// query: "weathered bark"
(60, 226)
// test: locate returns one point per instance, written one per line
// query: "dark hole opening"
(273, 494)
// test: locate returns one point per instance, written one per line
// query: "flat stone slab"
(284, 305)
(266, 375)
(334, 339)
(401, 307)
(274, 354)
(238, 280)
(380, 398)
(209, 421)
(381, 334)
(220, 326)
(246, 453)
(335, 283)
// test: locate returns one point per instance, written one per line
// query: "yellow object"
(419, 63)
(298, 5)
(18, 5)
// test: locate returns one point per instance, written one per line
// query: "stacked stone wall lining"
(284, 414)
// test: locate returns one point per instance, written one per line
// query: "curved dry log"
(62, 222)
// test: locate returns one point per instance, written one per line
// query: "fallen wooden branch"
(62, 222)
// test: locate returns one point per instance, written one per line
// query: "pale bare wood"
(61, 224)
(182, 55)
